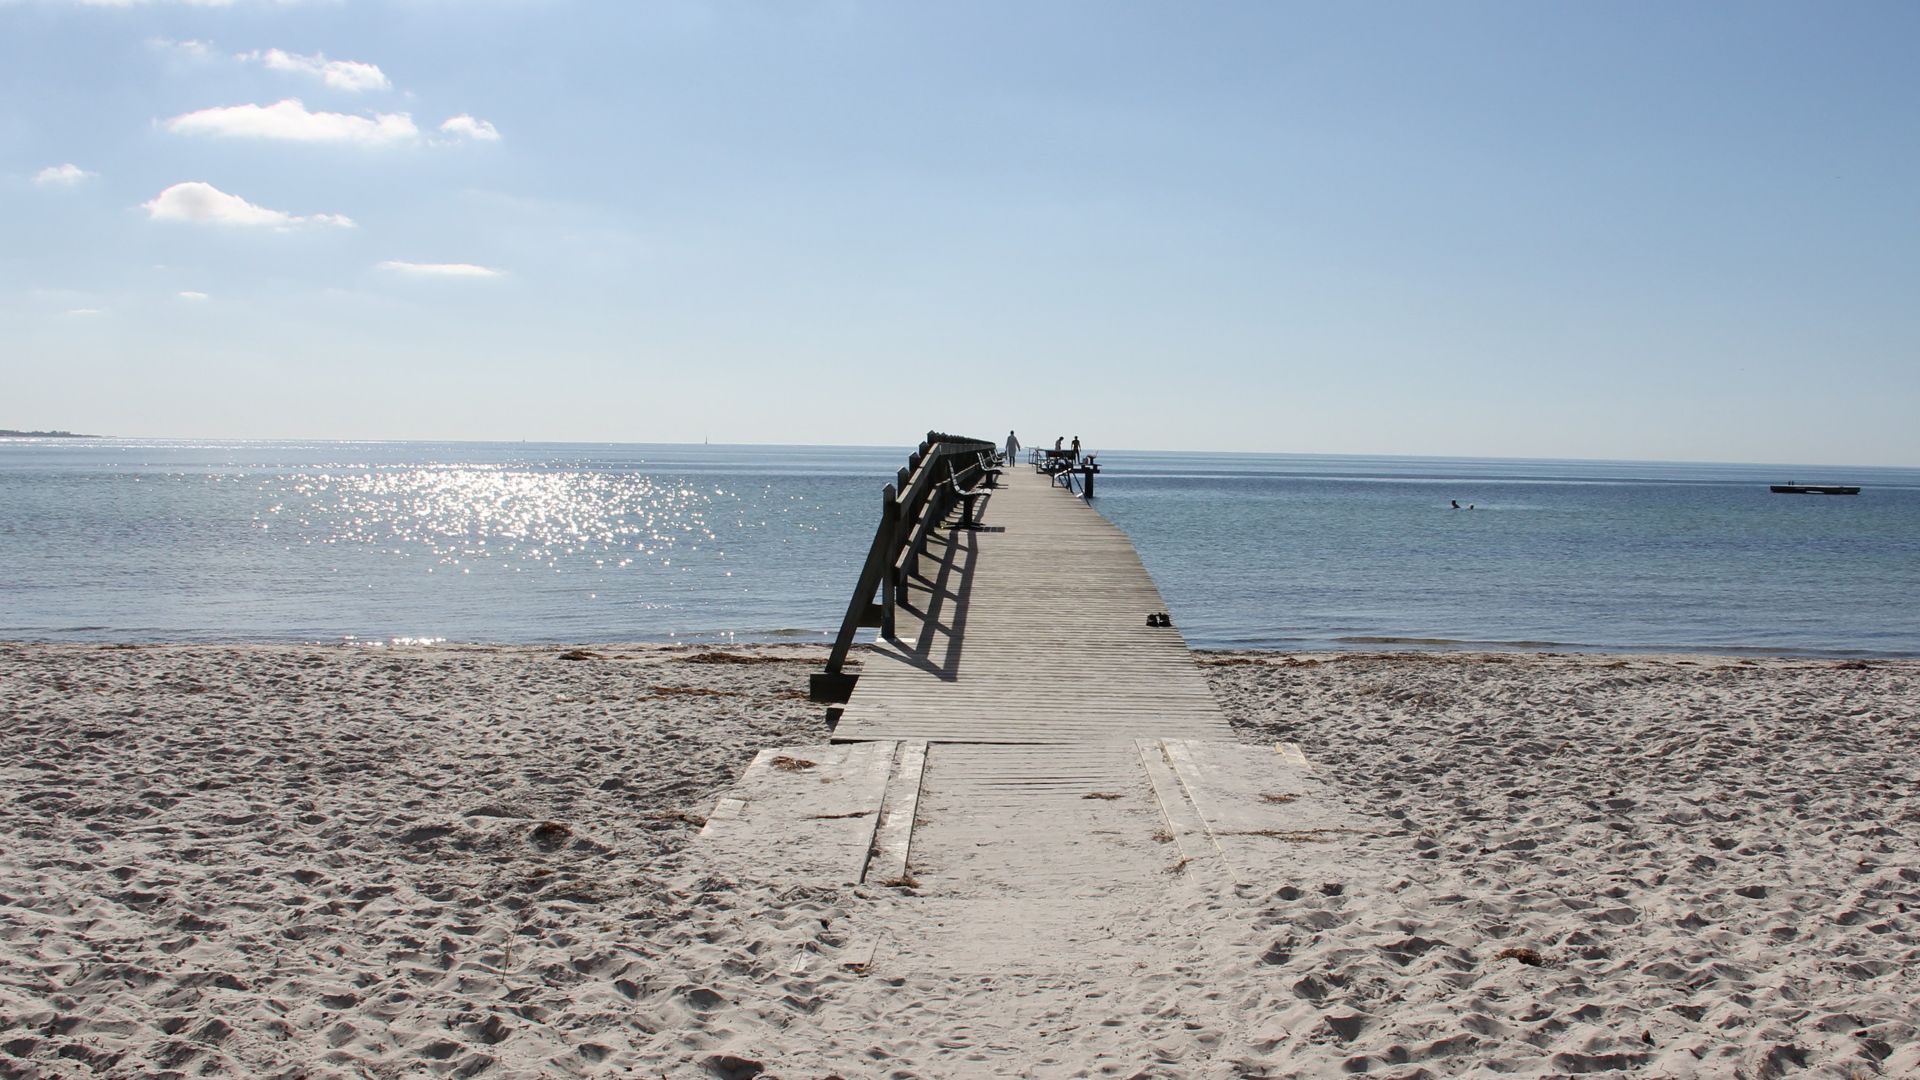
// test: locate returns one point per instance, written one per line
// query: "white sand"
(1717, 861)
(286, 861)
(251, 861)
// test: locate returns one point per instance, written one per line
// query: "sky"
(1613, 230)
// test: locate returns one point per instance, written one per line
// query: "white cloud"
(290, 119)
(85, 312)
(204, 204)
(440, 269)
(190, 295)
(339, 74)
(478, 130)
(61, 175)
(198, 51)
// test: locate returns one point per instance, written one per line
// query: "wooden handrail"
(911, 507)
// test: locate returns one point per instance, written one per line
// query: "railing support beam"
(910, 508)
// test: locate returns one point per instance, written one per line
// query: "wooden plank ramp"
(834, 794)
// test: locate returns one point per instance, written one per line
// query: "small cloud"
(61, 175)
(203, 204)
(464, 126)
(85, 312)
(290, 119)
(349, 75)
(468, 270)
(197, 51)
(191, 296)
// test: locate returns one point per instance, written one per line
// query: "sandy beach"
(464, 860)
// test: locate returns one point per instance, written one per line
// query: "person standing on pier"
(1013, 447)
(1076, 449)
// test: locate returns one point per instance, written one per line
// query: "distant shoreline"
(1761, 471)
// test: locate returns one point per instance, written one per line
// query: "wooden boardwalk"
(1031, 628)
(1039, 803)
(1024, 707)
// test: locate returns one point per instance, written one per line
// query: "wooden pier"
(1031, 627)
(1024, 655)
(1030, 769)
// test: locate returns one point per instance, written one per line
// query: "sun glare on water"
(462, 517)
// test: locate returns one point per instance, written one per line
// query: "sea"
(389, 543)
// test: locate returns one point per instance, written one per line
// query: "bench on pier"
(989, 474)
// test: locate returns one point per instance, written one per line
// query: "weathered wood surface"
(1032, 860)
(1031, 628)
(1259, 806)
(893, 838)
(830, 794)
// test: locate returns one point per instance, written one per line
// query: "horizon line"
(82, 438)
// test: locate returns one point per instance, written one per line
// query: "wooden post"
(889, 521)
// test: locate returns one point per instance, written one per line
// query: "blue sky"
(1678, 231)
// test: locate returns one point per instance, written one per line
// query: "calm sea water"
(118, 540)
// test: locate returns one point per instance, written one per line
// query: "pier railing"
(919, 499)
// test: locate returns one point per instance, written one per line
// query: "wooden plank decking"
(1032, 789)
(1031, 628)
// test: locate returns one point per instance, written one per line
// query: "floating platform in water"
(1813, 489)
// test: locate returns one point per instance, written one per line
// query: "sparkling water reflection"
(459, 514)
(476, 542)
